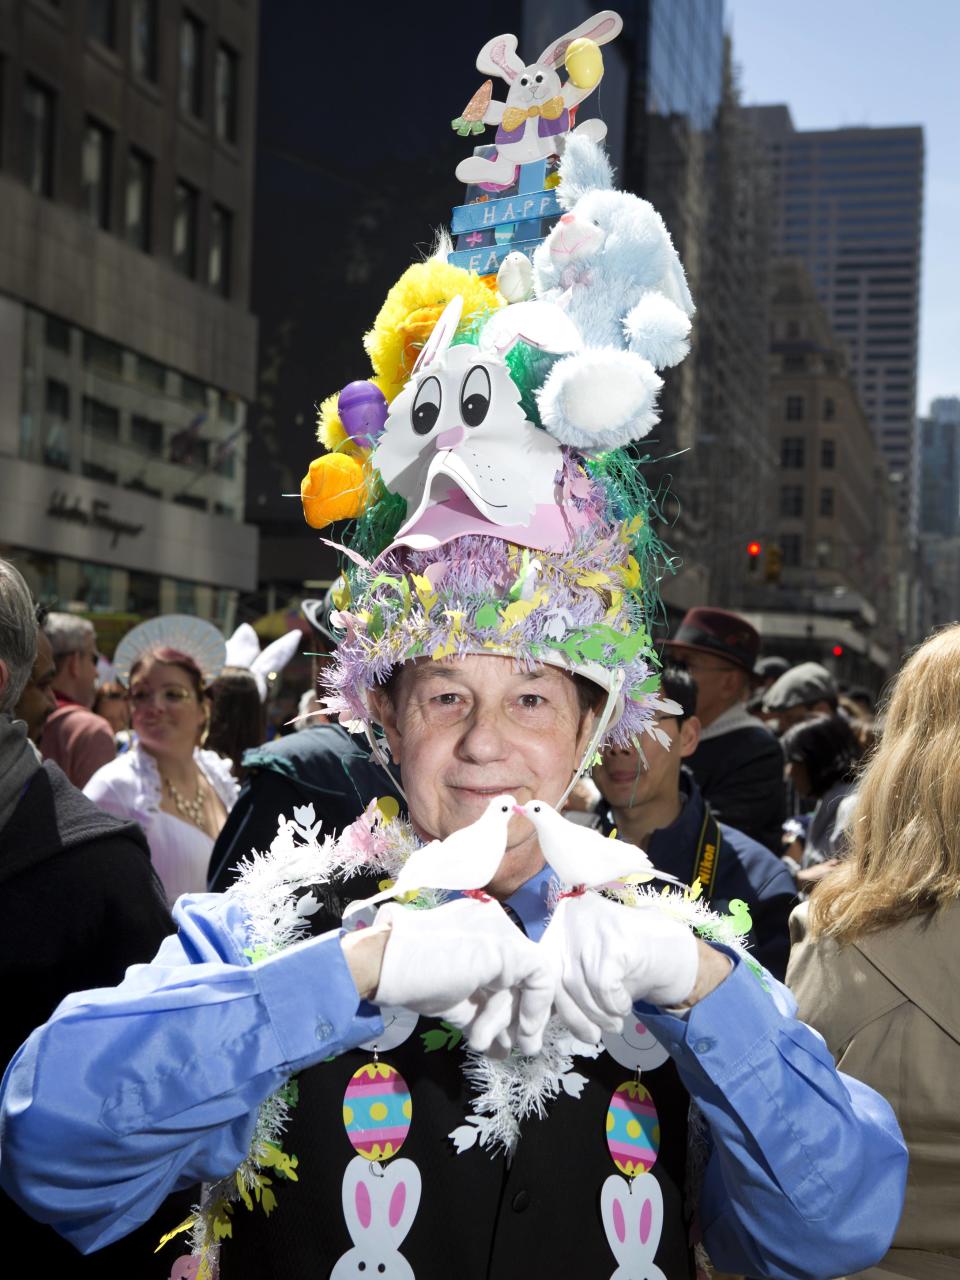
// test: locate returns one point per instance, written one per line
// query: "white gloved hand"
(608, 955)
(467, 963)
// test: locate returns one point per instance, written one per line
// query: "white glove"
(608, 955)
(467, 963)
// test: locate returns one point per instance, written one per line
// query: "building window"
(826, 502)
(143, 593)
(828, 454)
(192, 390)
(102, 355)
(791, 500)
(139, 200)
(829, 409)
(95, 178)
(792, 452)
(221, 240)
(225, 94)
(101, 420)
(139, 485)
(56, 334)
(791, 544)
(39, 108)
(185, 230)
(794, 364)
(150, 374)
(191, 500)
(191, 66)
(56, 439)
(794, 408)
(143, 38)
(146, 435)
(102, 21)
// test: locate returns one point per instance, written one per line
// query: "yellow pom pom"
(333, 489)
(584, 63)
(330, 430)
(412, 308)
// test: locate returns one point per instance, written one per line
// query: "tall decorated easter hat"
(497, 505)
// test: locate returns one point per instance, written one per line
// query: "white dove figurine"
(466, 860)
(582, 857)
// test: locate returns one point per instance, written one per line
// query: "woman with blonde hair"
(875, 968)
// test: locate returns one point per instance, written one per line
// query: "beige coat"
(888, 1007)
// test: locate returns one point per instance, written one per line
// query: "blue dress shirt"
(128, 1093)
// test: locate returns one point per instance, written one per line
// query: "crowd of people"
(753, 787)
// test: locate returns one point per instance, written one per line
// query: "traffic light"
(837, 651)
(773, 564)
(753, 556)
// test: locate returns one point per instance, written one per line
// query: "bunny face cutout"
(379, 1206)
(456, 437)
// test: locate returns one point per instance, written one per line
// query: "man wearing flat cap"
(738, 765)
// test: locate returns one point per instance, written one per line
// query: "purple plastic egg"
(363, 411)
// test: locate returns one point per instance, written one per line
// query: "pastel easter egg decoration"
(377, 1110)
(633, 1129)
(363, 411)
(334, 488)
(584, 63)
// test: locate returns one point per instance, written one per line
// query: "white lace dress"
(129, 787)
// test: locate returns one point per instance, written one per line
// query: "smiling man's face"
(466, 729)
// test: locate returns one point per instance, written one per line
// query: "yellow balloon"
(584, 63)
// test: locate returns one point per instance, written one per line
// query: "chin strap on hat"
(379, 754)
(616, 685)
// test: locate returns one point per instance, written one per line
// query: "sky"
(875, 62)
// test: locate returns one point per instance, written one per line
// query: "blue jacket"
(131, 1091)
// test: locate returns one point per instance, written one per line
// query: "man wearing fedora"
(738, 765)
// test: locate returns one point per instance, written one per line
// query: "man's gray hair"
(18, 634)
(68, 634)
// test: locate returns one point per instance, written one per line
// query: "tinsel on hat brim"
(581, 609)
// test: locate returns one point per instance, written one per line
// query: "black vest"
(479, 1218)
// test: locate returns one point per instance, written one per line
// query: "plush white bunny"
(611, 263)
(632, 1214)
(379, 1206)
(535, 118)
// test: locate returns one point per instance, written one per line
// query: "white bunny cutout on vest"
(632, 1214)
(380, 1203)
(535, 119)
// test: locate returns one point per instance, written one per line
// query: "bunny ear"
(277, 654)
(632, 1215)
(397, 1200)
(584, 167)
(243, 647)
(601, 28)
(442, 335)
(498, 57)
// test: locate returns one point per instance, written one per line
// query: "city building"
(939, 517)
(940, 468)
(126, 338)
(849, 203)
(824, 585)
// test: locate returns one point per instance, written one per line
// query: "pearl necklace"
(192, 810)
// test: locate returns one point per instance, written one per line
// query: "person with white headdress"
(239, 695)
(177, 791)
